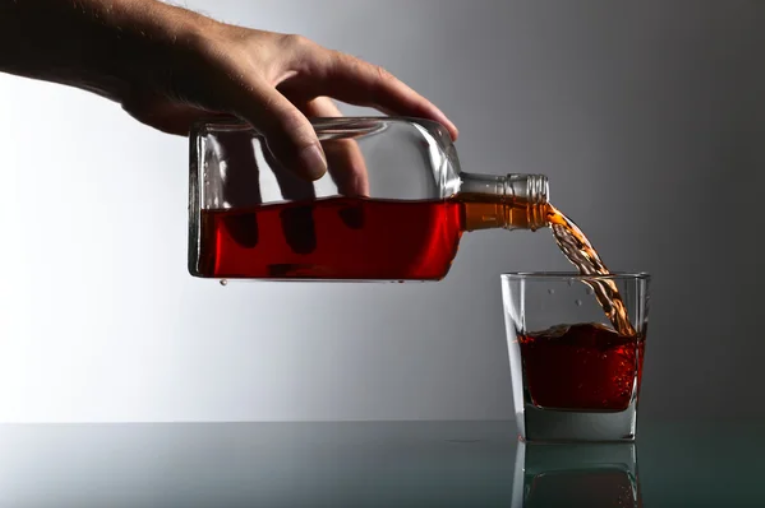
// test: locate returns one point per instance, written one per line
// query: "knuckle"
(293, 124)
(383, 74)
(296, 42)
(269, 103)
(294, 132)
(345, 60)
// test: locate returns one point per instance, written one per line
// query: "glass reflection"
(592, 475)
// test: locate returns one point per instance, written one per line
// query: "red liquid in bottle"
(335, 238)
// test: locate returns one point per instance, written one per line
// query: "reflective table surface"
(390, 464)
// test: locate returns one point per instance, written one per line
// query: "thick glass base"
(549, 425)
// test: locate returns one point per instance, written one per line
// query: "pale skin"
(167, 67)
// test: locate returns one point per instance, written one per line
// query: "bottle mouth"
(534, 191)
(540, 190)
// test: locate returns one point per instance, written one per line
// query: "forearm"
(100, 45)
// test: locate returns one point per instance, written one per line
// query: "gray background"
(648, 118)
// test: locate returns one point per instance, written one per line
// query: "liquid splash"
(580, 252)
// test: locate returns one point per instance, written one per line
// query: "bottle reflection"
(591, 475)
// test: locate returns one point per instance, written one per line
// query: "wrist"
(108, 47)
(151, 39)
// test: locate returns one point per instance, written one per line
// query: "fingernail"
(312, 160)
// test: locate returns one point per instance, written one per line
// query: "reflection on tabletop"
(401, 464)
(591, 475)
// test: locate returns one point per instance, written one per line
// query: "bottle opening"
(533, 189)
(510, 202)
(531, 193)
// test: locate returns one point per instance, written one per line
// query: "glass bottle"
(393, 205)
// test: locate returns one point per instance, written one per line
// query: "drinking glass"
(574, 376)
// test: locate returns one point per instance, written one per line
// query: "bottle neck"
(510, 202)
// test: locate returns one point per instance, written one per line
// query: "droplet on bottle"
(588, 291)
(570, 282)
(551, 291)
(224, 282)
(578, 302)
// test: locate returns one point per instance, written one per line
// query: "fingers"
(292, 186)
(297, 221)
(344, 158)
(346, 164)
(349, 79)
(289, 135)
(242, 176)
(241, 186)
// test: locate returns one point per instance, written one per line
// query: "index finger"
(355, 81)
(346, 163)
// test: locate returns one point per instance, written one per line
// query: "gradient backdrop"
(649, 119)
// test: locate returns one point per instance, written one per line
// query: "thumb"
(290, 137)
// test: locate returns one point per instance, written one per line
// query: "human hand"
(169, 66)
(274, 82)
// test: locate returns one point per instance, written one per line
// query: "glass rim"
(575, 276)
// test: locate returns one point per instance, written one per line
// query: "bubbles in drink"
(593, 367)
(551, 291)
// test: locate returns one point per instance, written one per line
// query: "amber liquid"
(595, 368)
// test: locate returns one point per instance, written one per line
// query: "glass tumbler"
(574, 376)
